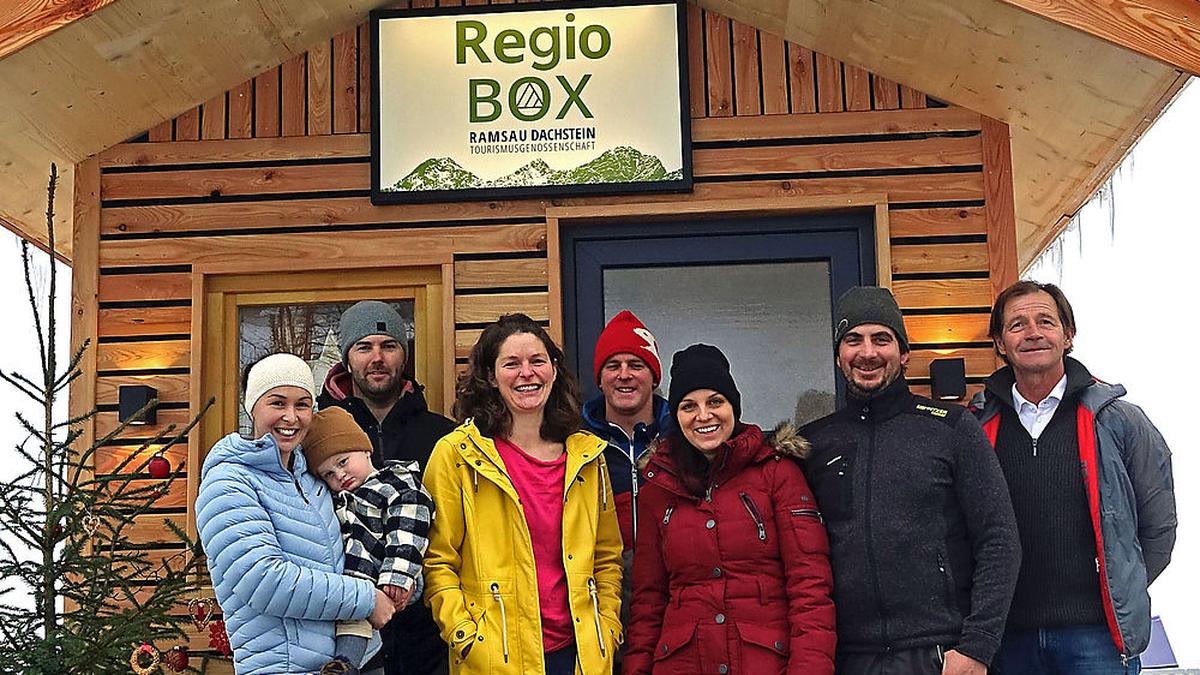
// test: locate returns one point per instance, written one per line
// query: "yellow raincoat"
(480, 577)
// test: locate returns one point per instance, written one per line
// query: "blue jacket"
(622, 454)
(275, 556)
(1126, 473)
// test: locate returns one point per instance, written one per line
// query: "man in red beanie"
(627, 413)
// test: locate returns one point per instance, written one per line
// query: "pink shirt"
(539, 484)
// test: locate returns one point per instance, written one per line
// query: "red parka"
(737, 582)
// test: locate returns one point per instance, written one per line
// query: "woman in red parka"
(731, 571)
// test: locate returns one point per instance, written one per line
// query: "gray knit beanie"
(370, 317)
(868, 304)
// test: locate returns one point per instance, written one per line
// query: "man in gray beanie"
(369, 383)
(921, 530)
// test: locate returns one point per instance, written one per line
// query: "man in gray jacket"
(1090, 482)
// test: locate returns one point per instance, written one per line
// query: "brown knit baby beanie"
(333, 431)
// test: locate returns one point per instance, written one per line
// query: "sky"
(1125, 263)
(20, 354)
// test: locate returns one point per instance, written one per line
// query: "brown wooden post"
(999, 207)
(85, 283)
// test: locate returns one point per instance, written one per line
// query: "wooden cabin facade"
(261, 194)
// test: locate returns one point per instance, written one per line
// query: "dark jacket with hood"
(622, 455)
(737, 581)
(409, 431)
(924, 542)
(411, 643)
(1126, 473)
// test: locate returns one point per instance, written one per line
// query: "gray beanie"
(868, 304)
(370, 317)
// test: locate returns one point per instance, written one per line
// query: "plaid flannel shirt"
(385, 526)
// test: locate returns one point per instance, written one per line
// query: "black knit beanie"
(868, 304)
(702, 367)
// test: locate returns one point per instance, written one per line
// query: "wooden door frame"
(223, 278)
(557, 217)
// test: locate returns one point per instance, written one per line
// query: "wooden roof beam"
(30, 20)
(1165, 30)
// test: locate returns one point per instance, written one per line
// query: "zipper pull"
(1035, 447)
(669, 511)
(301, 490)
(752, 509)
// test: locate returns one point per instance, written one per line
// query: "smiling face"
(628, 386)
(376, 364)
(706, 419)
(524, 374)
(1033, 338)
(869, 356)
(346, 471)
(285, 413)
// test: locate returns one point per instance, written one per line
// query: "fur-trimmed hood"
(784, 440)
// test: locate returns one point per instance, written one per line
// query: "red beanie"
(625, 334)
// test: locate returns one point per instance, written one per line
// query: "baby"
(384, 514)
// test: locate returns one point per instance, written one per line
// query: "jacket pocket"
(291, 632)
(675, 647)
(949, 593)
(755, 515)
(831, 478)
(762, 649)
(809, 527)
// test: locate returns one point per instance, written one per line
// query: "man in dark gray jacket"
(922, 536)
(1090, 481)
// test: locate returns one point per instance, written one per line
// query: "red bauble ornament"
(159, 467)
(176, 658)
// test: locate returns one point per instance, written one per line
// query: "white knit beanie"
(277, 370)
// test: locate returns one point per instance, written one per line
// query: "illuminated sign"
(500, 101)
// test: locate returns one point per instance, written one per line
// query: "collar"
(1054, 397)
(597, 422)
(998, 386)
(891, 401)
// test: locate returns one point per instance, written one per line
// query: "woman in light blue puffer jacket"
(273, 544)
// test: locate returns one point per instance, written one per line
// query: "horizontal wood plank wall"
(285, 192)
(735, 70)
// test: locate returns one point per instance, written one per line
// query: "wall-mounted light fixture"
(948, 379)
(132, 398)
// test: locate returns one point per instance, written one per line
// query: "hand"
(398, 595)
(384, 609)
(961, 664)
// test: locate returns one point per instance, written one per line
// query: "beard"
(379, 392)
(870, 390)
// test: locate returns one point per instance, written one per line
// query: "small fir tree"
(101, 602)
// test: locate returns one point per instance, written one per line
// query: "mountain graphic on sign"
(437, 174)
(617, 165)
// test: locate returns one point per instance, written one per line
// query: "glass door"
(761, 289)
(247, 317)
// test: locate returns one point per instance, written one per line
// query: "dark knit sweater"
(1058, 584)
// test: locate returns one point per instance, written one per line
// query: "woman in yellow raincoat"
(523, 571)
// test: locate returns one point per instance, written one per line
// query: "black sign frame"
(684, 184)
